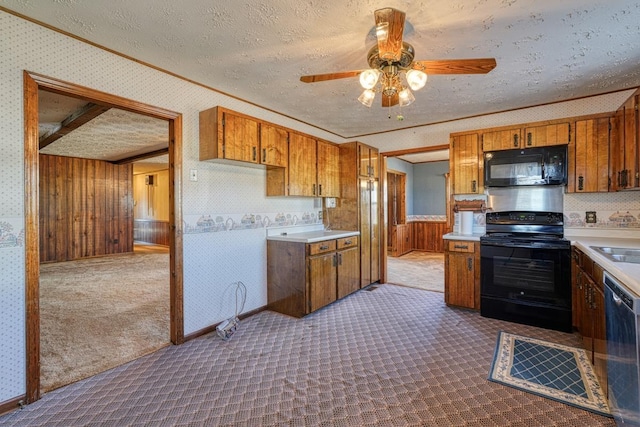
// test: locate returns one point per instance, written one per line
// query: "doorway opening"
(33, 83)
(416, 216)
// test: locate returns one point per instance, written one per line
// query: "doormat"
(550, 370)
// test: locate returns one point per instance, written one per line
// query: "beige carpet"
(99, 313)
(422, 270)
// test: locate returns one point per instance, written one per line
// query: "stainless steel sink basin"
(619, 254)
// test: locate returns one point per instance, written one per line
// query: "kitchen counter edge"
(314, 236)
(475, 237)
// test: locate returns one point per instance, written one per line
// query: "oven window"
(524, 273)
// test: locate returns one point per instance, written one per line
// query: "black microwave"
(526, 166)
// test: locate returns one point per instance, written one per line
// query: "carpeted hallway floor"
(98, 313)
(422, 270)
(384, 356)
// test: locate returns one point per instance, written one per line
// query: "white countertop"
(625, 272)
(475, 237)
(313, 236)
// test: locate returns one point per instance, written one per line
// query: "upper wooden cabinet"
(302, 165)
(227, 135)
(589, 157)
(519, 137)
(274, 145)
(328, 169)
(465, 164)
(314, 167)
(368, 161)
(538, 136)
(625, 151)
(505, 139)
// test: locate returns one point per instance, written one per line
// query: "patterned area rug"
(550, 370)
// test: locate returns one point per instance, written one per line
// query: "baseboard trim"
(212, 328)
(12, 404)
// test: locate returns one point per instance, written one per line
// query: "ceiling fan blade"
(390, 101)
(329, 76)
(455, 66)
(390, 48)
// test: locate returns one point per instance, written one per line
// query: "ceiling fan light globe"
(416, 79)
(405, 97)
(369, 78)
(366, 98)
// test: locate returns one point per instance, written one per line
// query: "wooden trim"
(12, 404)
(149, 155)
(31, 238)
(418, 150)
(76, 119)
(32, 83)
(383, 217)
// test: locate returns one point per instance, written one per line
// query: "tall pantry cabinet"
(358, 207)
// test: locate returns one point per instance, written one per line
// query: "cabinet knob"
(469, 263)
(348, 242)
(264, 154)
(474, 186)
(255, 153)
(515, 140)
(324, 247)
(580, 183)
(461, 246)
(529, 139)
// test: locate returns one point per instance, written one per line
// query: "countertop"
(313, 236)
(475, 237)
(626, 273)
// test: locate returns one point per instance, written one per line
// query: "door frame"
(32, 83)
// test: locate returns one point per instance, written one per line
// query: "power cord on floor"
(227, 328)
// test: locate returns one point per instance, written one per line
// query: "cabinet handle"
(255, 153)
(334, 259)
(469, 263)
(314, 189)
(348, 242)
(529, 139)
(340, 259)
(324, 247)
(580, 183)
(319, 189)
(264, 154)
(474, 186)
(461, 246)
(515, 139)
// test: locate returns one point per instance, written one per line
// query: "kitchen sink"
(619, 254)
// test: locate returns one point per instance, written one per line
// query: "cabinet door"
(501, 139)
(348, 271)
(368, 161)
(625, 153)
(274, 145)
(302, 165)
(599, 328)
(328, 170)
(321, 280)
(459, 279)
(464, 161)
(591, 156)
(241, 138)
(539, 136)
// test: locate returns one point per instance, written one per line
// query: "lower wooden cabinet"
(588, 310)
(462, 273)
(304, 277)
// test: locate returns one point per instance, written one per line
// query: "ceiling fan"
(392, 57)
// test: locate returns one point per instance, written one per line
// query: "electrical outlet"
(591, 217)
(320, 215)
(193, 175)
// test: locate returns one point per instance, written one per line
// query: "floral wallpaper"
(211, 223)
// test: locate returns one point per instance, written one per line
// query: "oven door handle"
(527, 245)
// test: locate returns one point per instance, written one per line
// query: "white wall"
(212, 260)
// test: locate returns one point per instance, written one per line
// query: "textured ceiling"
(546, 51)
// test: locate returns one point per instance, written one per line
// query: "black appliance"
(527, 166)
(622, 308)
(525, 269)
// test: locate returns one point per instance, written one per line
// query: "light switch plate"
(193, 175)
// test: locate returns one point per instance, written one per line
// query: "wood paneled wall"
(427, 235)
(151, 231)
(85, 208)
